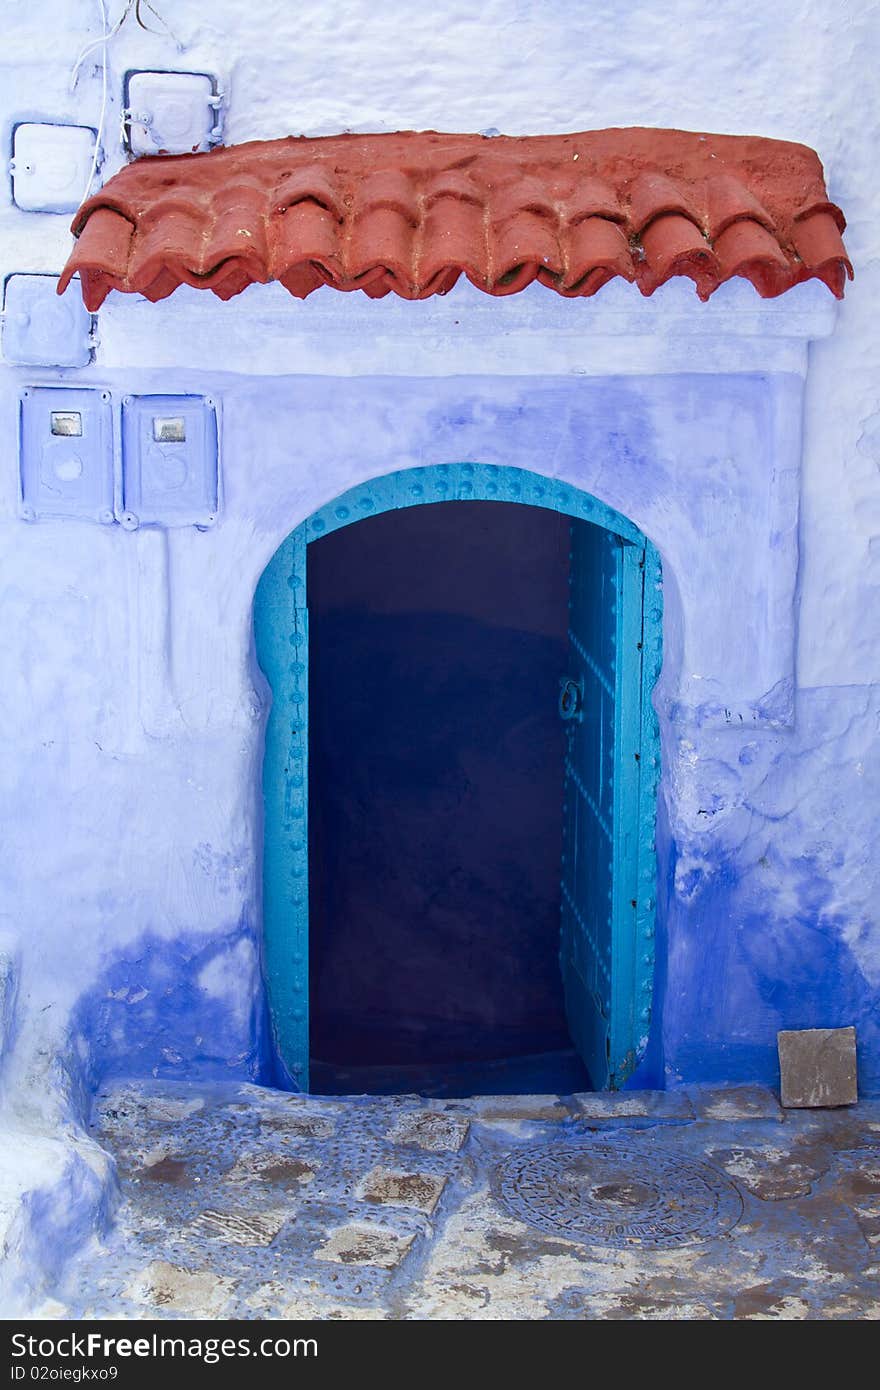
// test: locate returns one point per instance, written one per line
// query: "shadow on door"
(437, 639)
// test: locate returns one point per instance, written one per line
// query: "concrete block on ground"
(817, 1067)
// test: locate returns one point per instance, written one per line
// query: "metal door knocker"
(571, 698)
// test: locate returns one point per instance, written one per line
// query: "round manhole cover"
(616, 1194)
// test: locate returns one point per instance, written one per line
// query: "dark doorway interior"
(437, 640)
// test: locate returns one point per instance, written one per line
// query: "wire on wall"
(102, 42)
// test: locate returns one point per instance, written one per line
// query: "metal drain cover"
(617, 1194)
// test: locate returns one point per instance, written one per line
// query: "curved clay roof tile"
(746, 248)
(596, 250)
(819, 245)
(452, 183)
(653, 194)
(673, 245)
(526, 195)
(388, 189)
(409, 213)
(307, 186)
(592, 197)
(730, 201)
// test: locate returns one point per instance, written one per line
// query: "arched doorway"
(607, 778)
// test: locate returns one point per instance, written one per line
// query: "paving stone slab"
(615, 1105)
(242, 1228)
(385, 1187)
(283, 1170)
(772, 1175)
(735, 1103)
(430, 1130)
(168, 1168)
(363, 1244)
(171, 1288)
(297, 1126)
(489, 1108)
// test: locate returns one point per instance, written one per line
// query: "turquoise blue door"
(601, 702)
(609, 780)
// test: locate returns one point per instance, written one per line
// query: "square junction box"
(50, 166)
(66, 453)
(171, 112)
(169, 461)
(43, 329)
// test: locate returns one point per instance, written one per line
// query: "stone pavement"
(711, 1203)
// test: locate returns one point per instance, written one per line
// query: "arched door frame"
(281, 634)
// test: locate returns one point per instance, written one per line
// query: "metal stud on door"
(282, 638)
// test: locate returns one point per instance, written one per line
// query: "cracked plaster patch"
(117, 1107)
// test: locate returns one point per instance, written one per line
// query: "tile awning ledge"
(409, 214)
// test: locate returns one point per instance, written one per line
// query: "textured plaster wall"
(130, 708)
(134, 711)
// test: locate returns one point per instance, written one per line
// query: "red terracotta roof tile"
(673, 245)
(746, 248)
(410, 213)
(817, 240)
(730, 201)
(652, 194)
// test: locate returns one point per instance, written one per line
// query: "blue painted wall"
(135, 712)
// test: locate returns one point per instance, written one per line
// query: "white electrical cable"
(102, 43)
(96, 43)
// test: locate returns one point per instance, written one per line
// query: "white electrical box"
(42, 328)
(66, 454)
(169, 461)
(171, 112)
(50, 166)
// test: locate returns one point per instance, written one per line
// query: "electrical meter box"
(169, 461)
(50, 166)
(66, 453)
(171, 112)
(42, 328)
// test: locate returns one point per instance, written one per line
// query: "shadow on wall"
(189, 1006)
(759, 973)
